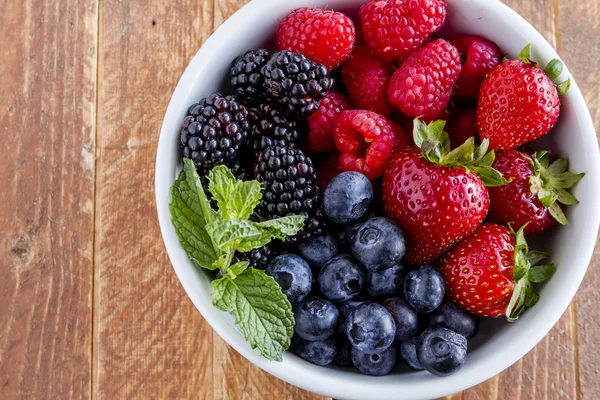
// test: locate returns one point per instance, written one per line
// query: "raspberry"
(479, 57)
(366, 77)
(366, 141)
(422, 86)
(462, 126)
(320, 136)
(328, 169)
(325, 36)
(393, 29)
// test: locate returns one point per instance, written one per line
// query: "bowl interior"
(498, 344)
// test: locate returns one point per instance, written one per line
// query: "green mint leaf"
(236, 199)
(554, 69)
(279, 228)
(263, 313)
(192, 194)
(236, 269)
(221, 185)
(563, 87)
(541, 273)
(245, 198)
(227, 233)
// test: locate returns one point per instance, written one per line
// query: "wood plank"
(47, 130)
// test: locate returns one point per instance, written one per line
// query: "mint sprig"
(211, 239)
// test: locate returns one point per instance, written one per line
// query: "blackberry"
(246, 79)
(214, 130)
(290, 188)
(261, 257)
(296, 82)
(271, 127)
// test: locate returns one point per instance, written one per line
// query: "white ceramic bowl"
(499, 344)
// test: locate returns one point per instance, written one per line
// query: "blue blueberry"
(346, 235)
(345, 308)
(378, 243)
(377, 364)
(407, 320)
(424, 288)
(320, 352)
(347, 197)
(408, 352)
(294, 276)
(384, 282)
(371, 328)
(319, 250)
(451, 316)
(316, 319)
(344, 349)
(341, 278)
(441, 351)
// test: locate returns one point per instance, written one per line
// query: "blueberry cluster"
(352, 305)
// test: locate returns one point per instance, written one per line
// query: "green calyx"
(553, 70)
(435, 147)
(550, 182)
(526, 272)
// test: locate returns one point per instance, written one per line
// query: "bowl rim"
(309, 377)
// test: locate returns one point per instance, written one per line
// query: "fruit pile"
(378, 246)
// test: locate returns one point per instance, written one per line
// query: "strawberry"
(534, 193)
(491, 273)
(518, 102)
(462, 125)
(432, 195)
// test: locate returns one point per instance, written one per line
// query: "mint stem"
(225, 267)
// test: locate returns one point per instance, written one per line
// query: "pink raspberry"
(422, 86)
(320, 136)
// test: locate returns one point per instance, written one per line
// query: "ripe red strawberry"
(328, 168)
(534, 193)
(325, 36)
(479, 57)
(491, 272)
(366, 78)
(431, 195)
(422, 86)
(393, 29)
(518, 102)
(320, 136)
(462, 126)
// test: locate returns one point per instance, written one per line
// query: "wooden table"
(89, 304)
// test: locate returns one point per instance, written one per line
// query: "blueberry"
(316, 319)
(347, 197)
(451, 316)
(408, 352)
(407, 321)
(371, 328)
(441, 351)
(341, 278)
(294, 276)
(384, 282)
(319, 250)
(378, 243)
(424, 288)
(346, 235)
(345, 309)
(344, 349)
(377, 364)
(320, 352)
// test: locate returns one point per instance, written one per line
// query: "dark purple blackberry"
(271, 127)
(246, 79)
(261, 257)
(214, 130)
(290, 188)
(296, 83)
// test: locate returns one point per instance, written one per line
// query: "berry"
(328, 169)
(377, 364)
(408, 352)
(371, 328)
(441, 351)
(407, 321)
(320, 137)
(451, 316)
(347, 197)
(271, 127)
(484, 272)
(246, 79)
(394, 29)
(479, 57)
(378, 244)
(294, 276)
(424, 288)
(320, 352)
(348, 306)
(290, 188)
(316, 319)
(341, 279)
(295, 82)
(213, 131)
(518, 103)
(384, 282)
(366, 141)
(422, 85)
(523, 200)
(366, 77)
(261, 257)
(319, 250)
(344, 350)
(463, 125)
(325, 36)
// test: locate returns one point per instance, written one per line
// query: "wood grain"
(47, 129)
